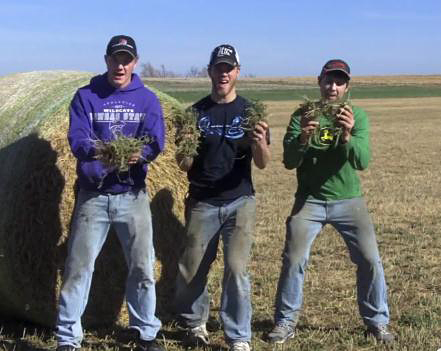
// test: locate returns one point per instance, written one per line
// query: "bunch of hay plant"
(116, 153)
(187, 133)
(330, 111)
(254, 113)
(310, 108)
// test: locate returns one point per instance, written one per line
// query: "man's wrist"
(345, 138)
(302, 141)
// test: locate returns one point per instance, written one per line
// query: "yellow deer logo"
(326, 135)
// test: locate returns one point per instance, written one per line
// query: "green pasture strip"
(401, 91)
(357, 92)
(273, 95)
(205, 84)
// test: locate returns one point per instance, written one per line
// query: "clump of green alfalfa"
(330, 110)
(187, 134)
(255, 112)
(116, 153)
(314, 109)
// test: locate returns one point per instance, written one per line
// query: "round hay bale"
(37, 196)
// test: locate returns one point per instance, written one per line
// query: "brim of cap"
(337, 69)
(224, 60)
(123, 50)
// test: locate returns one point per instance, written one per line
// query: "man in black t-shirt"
(221, 203)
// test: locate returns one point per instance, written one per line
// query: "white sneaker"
(240, 346)
(381, 333)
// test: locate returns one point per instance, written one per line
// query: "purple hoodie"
(99, 111)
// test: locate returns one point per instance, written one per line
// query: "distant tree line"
(150, 71)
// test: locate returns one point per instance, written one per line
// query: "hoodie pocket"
(93, 172)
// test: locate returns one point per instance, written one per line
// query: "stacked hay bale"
(37, 178)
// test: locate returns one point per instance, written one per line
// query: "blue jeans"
(130, 215)
(205, 224)
(351, 219)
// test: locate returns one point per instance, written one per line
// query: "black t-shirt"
(221, 171)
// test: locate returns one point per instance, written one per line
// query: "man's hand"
(184, 162)
(345, 119)
(308, 126)
(259, 146)
(258, 135)
(134, 158)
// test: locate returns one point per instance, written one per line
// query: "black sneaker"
(280, 333)
(240, 346)
(380, 333)
(149, 345)
(197, 336)
(67, 348)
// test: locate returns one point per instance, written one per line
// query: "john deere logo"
(326, 136)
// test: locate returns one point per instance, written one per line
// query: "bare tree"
(197, 72)
(192, 72)
(148, 70)
(203, 72)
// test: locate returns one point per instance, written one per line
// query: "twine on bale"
(37, 197)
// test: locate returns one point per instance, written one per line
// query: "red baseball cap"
(336, 65)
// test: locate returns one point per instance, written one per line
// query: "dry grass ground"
(403, 191)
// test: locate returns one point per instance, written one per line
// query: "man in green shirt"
(327, 153)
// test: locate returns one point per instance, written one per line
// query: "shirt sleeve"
(80, 134)
(293, 151)
(153, 127)
(357, 150)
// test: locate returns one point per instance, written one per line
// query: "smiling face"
(333, 85)
(223, 82)
(120, 67)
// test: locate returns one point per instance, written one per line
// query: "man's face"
(120, 67)
(333, 85)
(223, 79)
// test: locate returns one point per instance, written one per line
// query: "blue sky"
(273, 38)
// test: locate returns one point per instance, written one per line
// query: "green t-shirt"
(328, 172)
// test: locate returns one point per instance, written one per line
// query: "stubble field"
(403, 191)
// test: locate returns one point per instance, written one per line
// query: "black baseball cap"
(224, 53)
(336, 65)
(120, 43)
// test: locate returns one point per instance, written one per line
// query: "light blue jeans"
(130, 215)
(206, 223)
(351, 219)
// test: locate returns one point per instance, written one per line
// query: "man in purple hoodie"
(114, 103)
